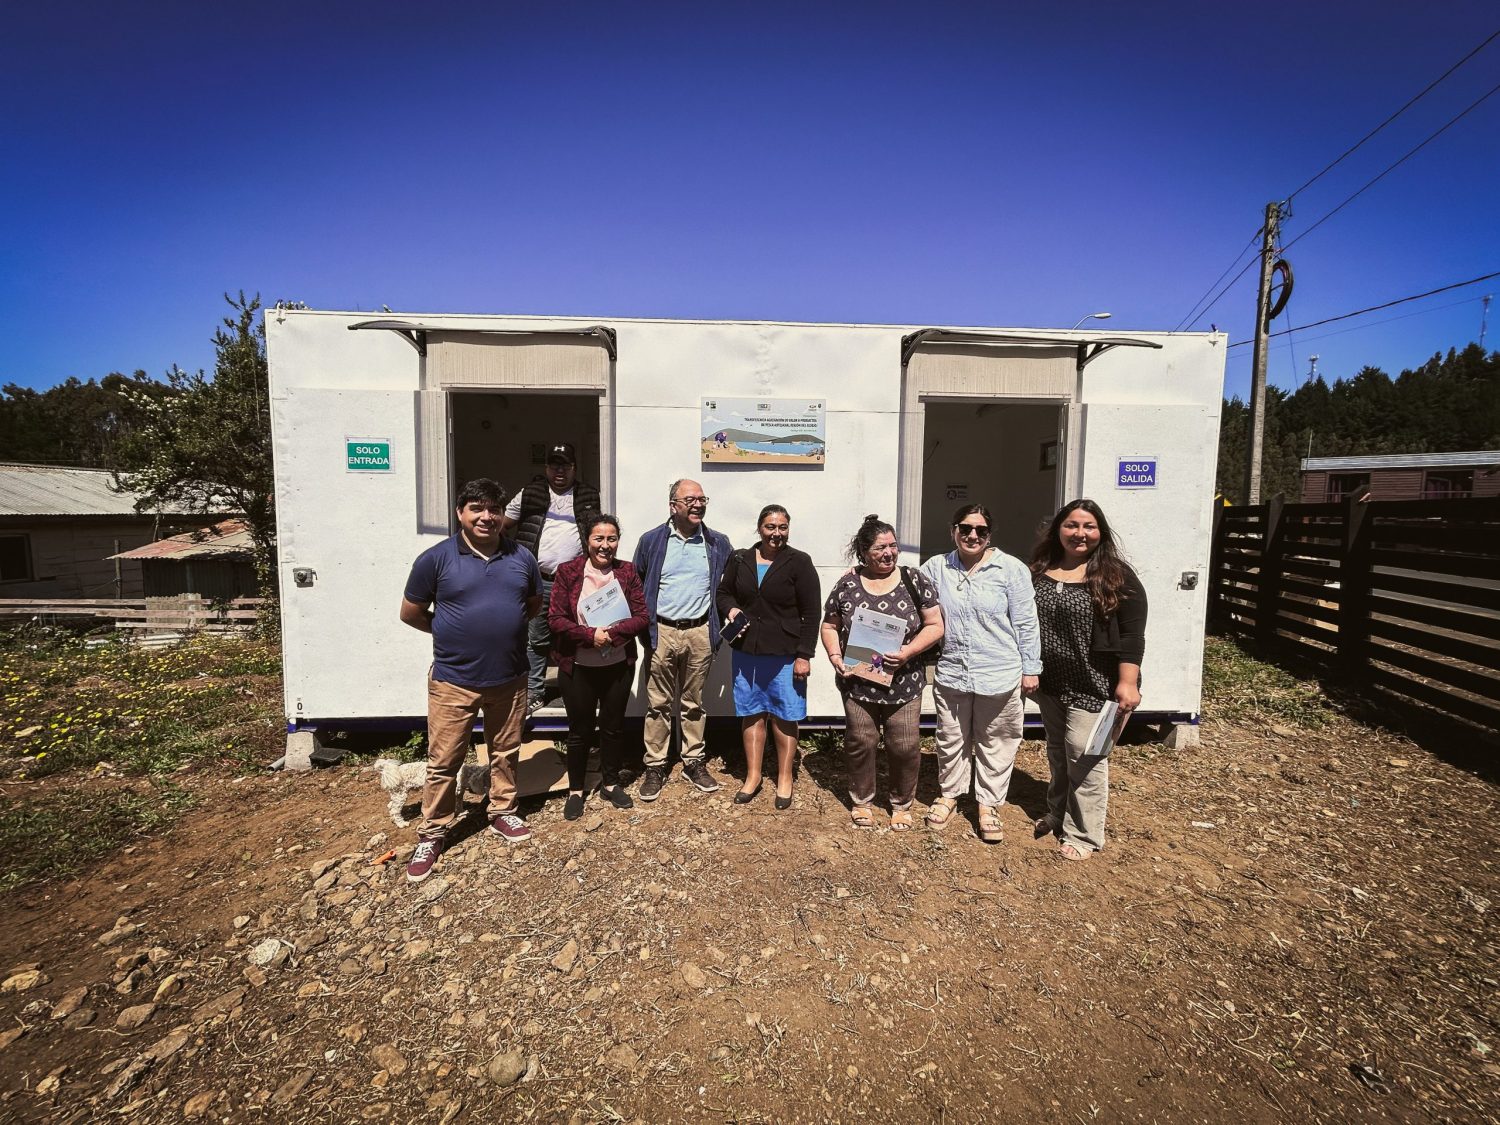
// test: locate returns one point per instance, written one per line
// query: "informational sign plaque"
(763, 431)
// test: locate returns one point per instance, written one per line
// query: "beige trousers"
(451, 711)
(977, 737)
(1078, 791)
(674, 684)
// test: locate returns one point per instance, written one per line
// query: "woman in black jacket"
(1092, 611)
(774, 587)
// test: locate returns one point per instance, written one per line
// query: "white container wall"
(969, 419)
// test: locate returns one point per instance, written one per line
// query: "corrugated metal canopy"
(227, 539)
(1473, 458)
(47, 490)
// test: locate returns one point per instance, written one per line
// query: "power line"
(1358, 144)
(1386, 320)
(1452, 121)
(1228, 287)
(1194, 315)
(1190, 316)
(1376, 308)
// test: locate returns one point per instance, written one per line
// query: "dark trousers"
(595, 699)
(865, 726)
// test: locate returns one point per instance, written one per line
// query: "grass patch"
(58, 834)
(69, 705)
(1237, 686)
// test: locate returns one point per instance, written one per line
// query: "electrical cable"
(1452, 121)
(1386, 320)
(1373, 308)
(1431, 86)
(1190, 316)
(1194, 316)
(1226, 288)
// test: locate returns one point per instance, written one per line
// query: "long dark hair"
(1105, 575)
(869, 531)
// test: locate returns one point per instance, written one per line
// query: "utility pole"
(1484, 318)
(1264, 313)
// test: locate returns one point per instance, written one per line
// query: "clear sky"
(934, 163)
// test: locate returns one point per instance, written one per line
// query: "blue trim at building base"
(556, 726)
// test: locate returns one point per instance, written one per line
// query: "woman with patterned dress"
(1092, 611)
(873, 711)
(775, 587)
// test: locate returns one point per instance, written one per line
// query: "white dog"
(400, 778)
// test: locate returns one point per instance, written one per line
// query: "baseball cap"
(562, 451)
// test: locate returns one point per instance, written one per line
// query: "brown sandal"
(941, 812)
(862, 816)
(901, 820)
(990, 829)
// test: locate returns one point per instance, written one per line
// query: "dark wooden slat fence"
(1402, 596)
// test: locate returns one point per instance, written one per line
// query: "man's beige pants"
(679, 669)
(451, 711)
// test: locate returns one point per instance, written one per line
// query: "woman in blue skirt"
(774, 587)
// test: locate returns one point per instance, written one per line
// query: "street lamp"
(1093, 316)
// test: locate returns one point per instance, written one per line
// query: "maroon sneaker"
(510, 828)
(423, 860)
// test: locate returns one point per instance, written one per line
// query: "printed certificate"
(604, 607)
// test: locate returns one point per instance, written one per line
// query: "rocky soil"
(1289, 924)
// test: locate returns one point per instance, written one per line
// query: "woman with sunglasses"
(991, 658)
(1092, 611)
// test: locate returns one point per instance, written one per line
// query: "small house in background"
(61, 527)
(215, 562)
(1401, 476)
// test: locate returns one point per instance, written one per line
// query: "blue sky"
(933, 163)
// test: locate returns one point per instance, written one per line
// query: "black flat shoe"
(573, 808)
(744, 798)
(783, 803)
(617, 797)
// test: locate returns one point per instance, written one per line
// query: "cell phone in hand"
(733, 628)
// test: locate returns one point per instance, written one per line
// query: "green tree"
(75, 422)
(205, 448)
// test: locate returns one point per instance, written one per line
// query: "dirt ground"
(1289, 925)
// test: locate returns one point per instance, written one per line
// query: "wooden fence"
(175, 614)
(1402, 596)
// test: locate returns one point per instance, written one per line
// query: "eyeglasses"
(692, 501)
(975, 529)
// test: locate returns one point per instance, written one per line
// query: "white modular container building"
(378, 420)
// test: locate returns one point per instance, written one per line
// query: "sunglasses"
(976, 529)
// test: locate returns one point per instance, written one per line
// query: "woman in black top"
(775, 587)
(1092, 611)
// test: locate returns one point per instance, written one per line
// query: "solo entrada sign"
(367, 455)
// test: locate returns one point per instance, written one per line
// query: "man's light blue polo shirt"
(684, 593)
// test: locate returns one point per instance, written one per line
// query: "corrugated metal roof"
(228, 539)
(1404, 461)
(47, 490)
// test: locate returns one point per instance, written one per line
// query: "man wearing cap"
(543, 517)
(680, 564)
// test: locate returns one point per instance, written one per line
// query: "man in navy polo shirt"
(473, 592)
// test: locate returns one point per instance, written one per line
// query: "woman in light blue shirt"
(991, 659)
